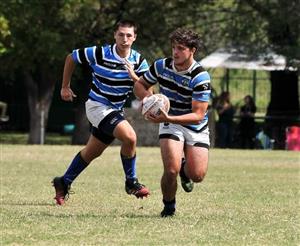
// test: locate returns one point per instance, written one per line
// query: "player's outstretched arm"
(66, 92)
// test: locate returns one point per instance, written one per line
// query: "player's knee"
(171, 173)
(197, 178)
(130, 139)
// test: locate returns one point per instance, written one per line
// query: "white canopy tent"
(232, 59)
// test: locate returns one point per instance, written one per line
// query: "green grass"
(247, 198)
(22, 138)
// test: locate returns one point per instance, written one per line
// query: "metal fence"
(241, 83)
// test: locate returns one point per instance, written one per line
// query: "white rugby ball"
(153, 104)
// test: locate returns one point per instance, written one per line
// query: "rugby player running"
(115, 69)
(183, 132)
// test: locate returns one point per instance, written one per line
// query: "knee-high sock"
(170, 204)
(75, 168)
(129, 166)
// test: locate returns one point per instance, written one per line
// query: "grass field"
(247, 198)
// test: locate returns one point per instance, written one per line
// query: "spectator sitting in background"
(263, 141)
(3, 108)
(225, 111)
(247, 123)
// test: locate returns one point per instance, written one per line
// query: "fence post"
(254, 86)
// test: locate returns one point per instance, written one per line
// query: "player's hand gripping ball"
(153, 104)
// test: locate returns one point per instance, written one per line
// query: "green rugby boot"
(186, 183)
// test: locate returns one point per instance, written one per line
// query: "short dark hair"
(186, 37)
(126, 23)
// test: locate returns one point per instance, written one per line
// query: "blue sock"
(170, 204)
(129, 166)
(75, 168)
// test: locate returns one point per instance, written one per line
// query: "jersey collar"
(114, 49)
(185, 71)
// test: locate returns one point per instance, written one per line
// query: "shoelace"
(138, 185)
(68, 193)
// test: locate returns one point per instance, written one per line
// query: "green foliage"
(247, 198)
(35, 36)
(4, 33)
(50, 29)
(259, 26)
(159, 18)
(44, 34)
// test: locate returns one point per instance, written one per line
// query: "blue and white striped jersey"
(181, 87)
(111, 83)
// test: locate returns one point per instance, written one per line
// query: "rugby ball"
(153, 104)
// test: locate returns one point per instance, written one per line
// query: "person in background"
(247, 123)
(3, 108)
(225, 112)
(115, 69)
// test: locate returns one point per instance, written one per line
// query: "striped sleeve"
(85, 56)
(201, 87)
(143, 67)
(151, 75)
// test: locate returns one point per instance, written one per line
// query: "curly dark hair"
(186, 37)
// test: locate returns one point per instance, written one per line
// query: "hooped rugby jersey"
(181, 87)
(111, 83)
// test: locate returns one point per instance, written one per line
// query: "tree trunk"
(39, 100)
(283, 109)
(82, 126)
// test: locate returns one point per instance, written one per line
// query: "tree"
(263, 26)
(48, 30)
(41, 33)
(35, 45)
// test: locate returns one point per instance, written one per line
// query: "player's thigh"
(171, 153)
(124, 132)
(93, 149)
(196, 160)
